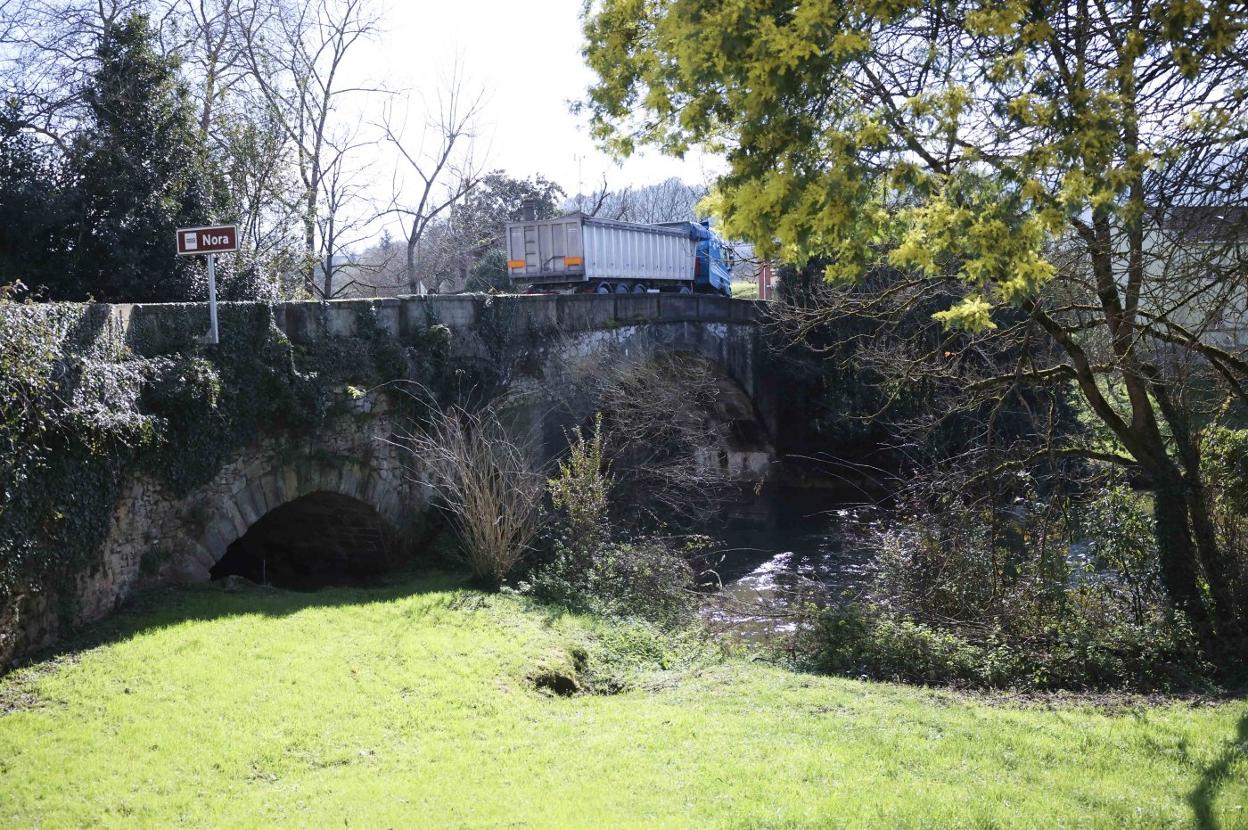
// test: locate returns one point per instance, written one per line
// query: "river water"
(808, 548)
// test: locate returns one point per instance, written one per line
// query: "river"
(807, 548)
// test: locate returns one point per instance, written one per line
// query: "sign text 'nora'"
(217, 239)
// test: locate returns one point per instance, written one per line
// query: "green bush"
(866, 641)
(1225, 469)
(969, 597)
(589, 571)
(642, 579)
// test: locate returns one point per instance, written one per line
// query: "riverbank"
(424, 703)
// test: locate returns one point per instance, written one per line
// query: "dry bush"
(488, 482)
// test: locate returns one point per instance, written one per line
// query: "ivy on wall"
(87, 402)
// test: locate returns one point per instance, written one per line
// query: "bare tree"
(671, 200)
(207, 35)
(442, 159)
(600, 201)
(668, 423)
(47, 53)
(297, 55)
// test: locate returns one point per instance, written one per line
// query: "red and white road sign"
(215, 240)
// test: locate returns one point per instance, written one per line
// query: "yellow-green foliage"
(582, 490)
(953, 138)
(415, 706)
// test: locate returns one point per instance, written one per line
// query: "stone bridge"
(346, 484)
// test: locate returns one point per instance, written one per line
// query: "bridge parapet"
(570, 313)
(159, 328)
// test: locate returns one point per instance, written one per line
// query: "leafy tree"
(471, 239)
(135, 173)
(499, 199)
(489, 273)
(1085, 163)
(28, 217)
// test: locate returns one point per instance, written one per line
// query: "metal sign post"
(211, 241)
(213, 336)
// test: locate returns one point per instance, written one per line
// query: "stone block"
(389, 316)
(749, 311)
(582, 312)
(714, 308)
(299, 321)
(415, 315)
(186, 571)
(247, 508)
(235, 515)
(257, 497)
(341, 317)
(218, 536)
(632, 308)
(291, 483)
(538, 312)
(678, 307)
(268, 486)
(454, 311)
(198, 553)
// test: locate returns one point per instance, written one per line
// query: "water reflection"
(806, 554)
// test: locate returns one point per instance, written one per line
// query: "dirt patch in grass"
(17, 689)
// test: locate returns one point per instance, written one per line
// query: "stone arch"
(155, 536)
(226, 515)
(744, 450)
(350, 458)
(318, 539)
(747, 451)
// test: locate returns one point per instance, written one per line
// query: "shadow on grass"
(155, 608)
(1202, 798)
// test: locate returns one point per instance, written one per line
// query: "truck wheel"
(621, 288)
(602, 288)
(639, 288)
(684, 289)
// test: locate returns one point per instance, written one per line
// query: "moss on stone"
(92, 395)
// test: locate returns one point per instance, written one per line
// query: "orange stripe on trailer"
(515, 263)
(572, 260)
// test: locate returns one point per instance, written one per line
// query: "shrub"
(642, 579)
(959, 598)
(1225, 468)
(587, 570)
(488, 483)
(582, 494)
(866, 641)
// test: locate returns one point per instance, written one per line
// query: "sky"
(526, 57)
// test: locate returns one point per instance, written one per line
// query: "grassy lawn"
(414, 706)
(747, 290)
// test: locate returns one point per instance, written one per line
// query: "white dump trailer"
(583, 253)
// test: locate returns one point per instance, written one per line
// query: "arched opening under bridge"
(314, 541)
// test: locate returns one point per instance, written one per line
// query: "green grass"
(413, 706)
(747, 290)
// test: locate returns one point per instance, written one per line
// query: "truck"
(577, 253)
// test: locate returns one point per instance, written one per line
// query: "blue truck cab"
(711, 270)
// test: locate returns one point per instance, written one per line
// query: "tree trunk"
(413, 238)
(1178, 553)
(1217, 567)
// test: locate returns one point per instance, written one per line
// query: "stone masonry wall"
(520, 342)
